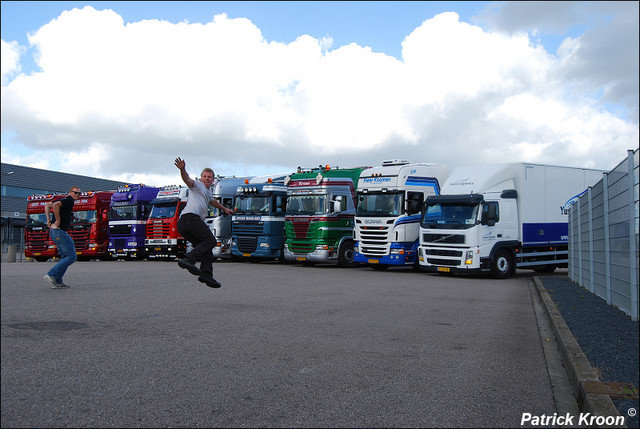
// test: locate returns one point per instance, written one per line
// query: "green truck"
(320, 215)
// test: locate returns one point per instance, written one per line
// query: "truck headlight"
(397, 251)
(264, 244)
(468, 259)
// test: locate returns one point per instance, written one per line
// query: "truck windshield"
(380, 204)
(84, 216)
(163, 210)
(123, 213)
(306, 205)
(252, 204)
(450, 216)
(36, 219)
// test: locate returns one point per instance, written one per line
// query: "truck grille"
(119, 243)
(300, 229)
(38, 240)
(447, 262)
(247, 244)
(374, 240)
(119, 229)
(80, 238)
(301, 246)
(247, 227)
(443, 252)
(444, 238)
(158, 230)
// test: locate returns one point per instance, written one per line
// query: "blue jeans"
(67, 251)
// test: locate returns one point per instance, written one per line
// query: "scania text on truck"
(219, 222)
(90, 225)
(162, 237)
(257, 227)
(320, 216)
(390, 199)
(496, 218)
(128, 220)
(37, 244)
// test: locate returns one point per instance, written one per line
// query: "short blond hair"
(208, 170)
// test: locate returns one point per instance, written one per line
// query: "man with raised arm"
(191, 224)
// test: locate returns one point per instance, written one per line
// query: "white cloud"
(121, 101)
(10, 61)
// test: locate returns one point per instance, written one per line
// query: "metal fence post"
(579, 215)
(633, 256)
(607, 249)
(590, 214)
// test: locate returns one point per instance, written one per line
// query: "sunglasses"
(76, 192)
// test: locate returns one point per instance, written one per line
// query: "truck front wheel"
(347, 255)
(502, 264)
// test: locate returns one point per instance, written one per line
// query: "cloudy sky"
(117, 90)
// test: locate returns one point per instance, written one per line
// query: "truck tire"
(346, 255)
(502, 265)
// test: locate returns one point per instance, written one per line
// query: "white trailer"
(389, 201)
(495, 218)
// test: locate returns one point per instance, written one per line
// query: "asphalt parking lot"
(144, 344)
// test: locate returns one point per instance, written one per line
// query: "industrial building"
(18, 182)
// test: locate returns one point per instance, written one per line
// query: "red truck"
(37, 244)
(90, 225)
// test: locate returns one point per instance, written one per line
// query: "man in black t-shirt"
(58, 227)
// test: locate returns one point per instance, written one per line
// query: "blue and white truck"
(257, 227)
(499, 217)
(389, 202)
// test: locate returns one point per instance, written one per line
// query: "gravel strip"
(607, 336)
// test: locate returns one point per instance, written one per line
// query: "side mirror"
(489, 217)
(413, 207)
(337, 204)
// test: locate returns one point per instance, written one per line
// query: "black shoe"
(209, 281)
(189, 266)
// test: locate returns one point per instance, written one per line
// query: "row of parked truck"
(484, 218)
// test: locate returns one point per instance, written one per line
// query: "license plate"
(157, 249)
(246, 255)
(444, 269)
(373, 261)
(301, 258)
(37, 254)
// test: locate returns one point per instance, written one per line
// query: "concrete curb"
(578, 367)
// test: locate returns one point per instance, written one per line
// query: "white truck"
(389, 201)
(499, 217)
(219, 222)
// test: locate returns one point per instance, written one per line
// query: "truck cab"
(219, 222)
(390, 199)
(320, 215)
(162, 237)
(38, 245)
(257, 226)
(498, 217)
(90, 225)
(128, 214)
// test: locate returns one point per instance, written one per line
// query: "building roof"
(35, 180)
